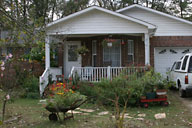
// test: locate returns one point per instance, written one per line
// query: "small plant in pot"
(149, 91)
(82, 50)
(150, 79)
(162, 88)
(109, 42)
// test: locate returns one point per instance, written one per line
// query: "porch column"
(147, 49)
(47, 52)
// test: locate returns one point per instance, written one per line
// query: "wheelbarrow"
(55, 110)
(163, 101)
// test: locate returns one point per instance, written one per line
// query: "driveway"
(186, 101)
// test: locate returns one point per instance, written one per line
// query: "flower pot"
(109, 44)
(161, 96)
(161, 91)
(151, 95)
(143, 97)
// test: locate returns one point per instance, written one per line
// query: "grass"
(33, 114)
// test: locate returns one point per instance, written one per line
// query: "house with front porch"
(138, 35)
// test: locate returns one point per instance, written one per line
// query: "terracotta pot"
(161, 91)
(161, 96)
(143, 97)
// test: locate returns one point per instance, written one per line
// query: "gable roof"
(154, 11)
(149, 25)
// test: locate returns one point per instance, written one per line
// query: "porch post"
(108, 72)
(147, 49)
(47, 52)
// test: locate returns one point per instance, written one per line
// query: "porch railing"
(96, 74)
(43, 81)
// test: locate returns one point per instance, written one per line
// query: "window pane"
(130, 47)
(72, 54)
(173, 67)
(130, 51)
(111, 55)
(178, 64)
(94, 47)
(130, 58)
(184, 63)
(190, 65)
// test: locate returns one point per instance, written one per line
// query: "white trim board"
(149, 25)
(154, 11)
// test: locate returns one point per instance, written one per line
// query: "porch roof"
(97, 20)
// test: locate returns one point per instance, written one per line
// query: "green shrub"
(65, 98)
(88, 89)
(31, 87)
(126, 89)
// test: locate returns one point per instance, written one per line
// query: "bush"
(65, 98)
(31, 87)
(88, 89)
(126, 89)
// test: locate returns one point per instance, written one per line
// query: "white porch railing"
(95, 74)
(44, 79)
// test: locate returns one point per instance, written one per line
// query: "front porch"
(101, 61)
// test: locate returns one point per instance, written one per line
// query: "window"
(72, 54)
(94, 53)
(54, 57)
(190, 65)
(173, 67)
(130, 51)
(185, 62)
(178, 65)
(111, 55)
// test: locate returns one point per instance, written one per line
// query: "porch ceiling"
(61, 36)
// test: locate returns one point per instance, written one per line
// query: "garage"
(164, 57)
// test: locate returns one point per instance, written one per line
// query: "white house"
(140, 36)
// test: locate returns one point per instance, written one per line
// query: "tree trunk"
(24, 11)
(3, 111)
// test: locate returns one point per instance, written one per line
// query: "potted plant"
(82, 50)
(109, 42)
(162, 88)
(150, 80)
(149, 91)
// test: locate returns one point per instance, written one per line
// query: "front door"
(72, 58)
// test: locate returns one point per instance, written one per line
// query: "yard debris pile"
(103, 113)
(160, 116)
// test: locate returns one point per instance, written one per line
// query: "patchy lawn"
(32, 114)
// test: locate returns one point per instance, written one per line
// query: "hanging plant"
(109, 42)
(82, 50)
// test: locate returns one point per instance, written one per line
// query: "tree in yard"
(181, 8)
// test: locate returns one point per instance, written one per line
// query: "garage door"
(164, 57)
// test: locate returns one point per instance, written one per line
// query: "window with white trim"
(111, 55)
(130, 51)
(94, 52)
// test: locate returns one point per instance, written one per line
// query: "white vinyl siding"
(97, 22)
(165, 25)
